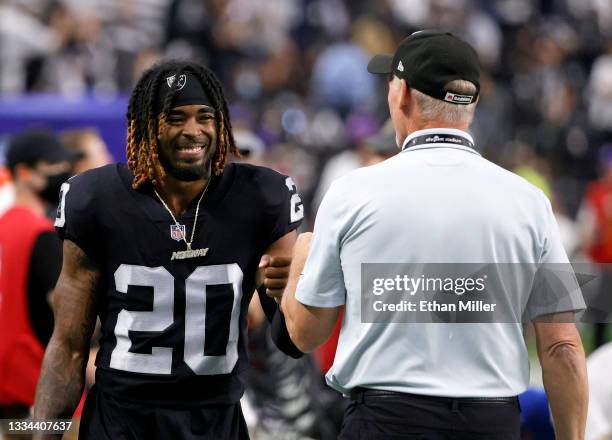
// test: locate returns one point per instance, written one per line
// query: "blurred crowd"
(294, 70)
(303, 103)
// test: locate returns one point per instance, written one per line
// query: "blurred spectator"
(531, 168)
(359, 128)
(568, 230)
(90, 148)
(7, 192)
(23, 36)
(604, 12)
(599, 419)
(251, 147)
(30, 264)
(493, 122)
(595, 226)
(340, 81)
(600, 92)
(380, 146)
(536, 171)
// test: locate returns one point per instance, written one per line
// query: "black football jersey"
(174, 329)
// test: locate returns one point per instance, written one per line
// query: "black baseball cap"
(33, 146)
(430, 59)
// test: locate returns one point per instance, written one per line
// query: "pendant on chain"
(189, 253)
(178, 233)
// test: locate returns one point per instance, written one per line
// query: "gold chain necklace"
(189, 253)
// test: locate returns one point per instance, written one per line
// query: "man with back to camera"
(167, 251)
(437, 201)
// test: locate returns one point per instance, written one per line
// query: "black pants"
(396, 416)
(107, 418)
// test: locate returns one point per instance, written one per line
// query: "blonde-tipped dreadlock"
(145, 125)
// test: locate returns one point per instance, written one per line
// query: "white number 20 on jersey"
(162, 317)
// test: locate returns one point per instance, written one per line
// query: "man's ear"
(406, 96)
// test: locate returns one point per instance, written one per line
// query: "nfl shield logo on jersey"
(177, 232)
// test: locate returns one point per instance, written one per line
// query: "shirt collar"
(439, 131)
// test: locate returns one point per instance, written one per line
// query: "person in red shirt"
(30, 262)
(595, 225)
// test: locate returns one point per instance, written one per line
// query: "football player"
(167, 251)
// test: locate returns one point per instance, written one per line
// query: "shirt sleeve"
(45, 266)
(278, 331)
(555, 288)
(284, 208)
(76, 218)
(322, 282)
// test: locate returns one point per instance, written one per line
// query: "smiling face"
(188, 143)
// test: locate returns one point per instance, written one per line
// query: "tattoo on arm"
(74, 305)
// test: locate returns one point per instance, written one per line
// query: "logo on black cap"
(458, 99)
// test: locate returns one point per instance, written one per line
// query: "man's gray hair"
(433, 109)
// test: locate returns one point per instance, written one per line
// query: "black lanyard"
(439, 138)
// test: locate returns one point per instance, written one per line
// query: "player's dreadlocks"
(145, 125)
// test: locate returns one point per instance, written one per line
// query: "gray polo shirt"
(432, 203)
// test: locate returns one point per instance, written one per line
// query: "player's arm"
(309, 327)
(273, 268)
(273, 274)
(63, 369)
(564, 373)
(45, 267)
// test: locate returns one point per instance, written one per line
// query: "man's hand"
(273, 273)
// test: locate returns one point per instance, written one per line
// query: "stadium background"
(300, 97)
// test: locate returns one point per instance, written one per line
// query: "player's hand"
(274, 272)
